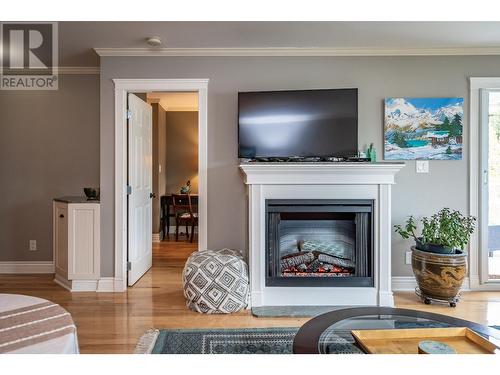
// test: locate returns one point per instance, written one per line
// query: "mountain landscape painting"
(423, 128)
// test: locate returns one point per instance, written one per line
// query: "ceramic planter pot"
(434, 248)
(439, 276)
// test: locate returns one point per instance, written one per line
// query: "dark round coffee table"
(329, 333)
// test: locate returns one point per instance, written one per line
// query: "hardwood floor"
(113, 322)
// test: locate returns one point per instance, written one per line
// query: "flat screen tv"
(305, 123)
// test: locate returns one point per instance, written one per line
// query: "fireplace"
(319, 234)
(319, 242)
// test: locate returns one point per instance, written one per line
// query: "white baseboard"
(62, 282)
(20, 267)
(408, 283)
(106, 284)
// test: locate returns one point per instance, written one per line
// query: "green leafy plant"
(447, 228)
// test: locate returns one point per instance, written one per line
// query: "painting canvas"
(423, 128)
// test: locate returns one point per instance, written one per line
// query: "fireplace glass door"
(319, 243)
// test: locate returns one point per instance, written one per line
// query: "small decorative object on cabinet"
(438, 259)
(76, 241)
(186, 189)
(92, 193)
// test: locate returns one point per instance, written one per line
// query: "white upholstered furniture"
(35, 325)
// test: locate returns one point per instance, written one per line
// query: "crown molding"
(299, 51)
(79, 70)
(64, 70)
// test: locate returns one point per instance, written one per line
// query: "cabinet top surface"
(75, 199)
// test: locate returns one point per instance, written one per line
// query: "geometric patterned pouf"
(216, 281)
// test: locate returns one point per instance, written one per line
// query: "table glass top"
(337, 338)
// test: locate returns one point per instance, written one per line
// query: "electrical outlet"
(422, 166)
(408, 257)
(33, 245)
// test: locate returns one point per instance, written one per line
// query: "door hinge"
(129, 114)
(129, 266)
(129, 189)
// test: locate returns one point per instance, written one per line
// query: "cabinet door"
(83, 230)
(61, 238)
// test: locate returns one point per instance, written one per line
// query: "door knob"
(152, 195)
(61, 215)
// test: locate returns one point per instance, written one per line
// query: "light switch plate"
(408, 257)
(422, 166)
(33, 245)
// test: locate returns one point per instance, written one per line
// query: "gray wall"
(376, 78)
(182, 151)
(49, 146)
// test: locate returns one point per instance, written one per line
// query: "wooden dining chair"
(185, 214)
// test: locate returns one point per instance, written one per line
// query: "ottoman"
(216, 281)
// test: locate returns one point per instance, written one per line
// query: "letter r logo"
(28, 46)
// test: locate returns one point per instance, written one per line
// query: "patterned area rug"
(231, 341)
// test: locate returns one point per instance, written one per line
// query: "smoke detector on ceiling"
(154, 41)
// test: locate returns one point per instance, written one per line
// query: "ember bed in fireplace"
(319, 243)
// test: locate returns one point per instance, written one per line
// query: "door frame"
(122, 88)
(476, 187)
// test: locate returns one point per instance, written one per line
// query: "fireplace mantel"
(320, 181)
(320, 173)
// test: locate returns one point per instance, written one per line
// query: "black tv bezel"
(285, 90)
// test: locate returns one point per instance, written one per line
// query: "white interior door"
(140, 182)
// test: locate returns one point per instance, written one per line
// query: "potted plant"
(439, 261)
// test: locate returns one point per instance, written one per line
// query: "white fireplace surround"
(320, 181)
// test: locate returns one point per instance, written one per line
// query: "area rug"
(246, 340)
(231, 341)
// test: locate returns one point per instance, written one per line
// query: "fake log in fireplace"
(319, 243)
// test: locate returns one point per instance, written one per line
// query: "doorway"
(484, 187)
(489, 218)
(123, 231)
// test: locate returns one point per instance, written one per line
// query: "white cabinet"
(76, 238)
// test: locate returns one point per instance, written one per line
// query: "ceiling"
(175, 101)
(77, 39)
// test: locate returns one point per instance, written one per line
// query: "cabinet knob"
(61, 215)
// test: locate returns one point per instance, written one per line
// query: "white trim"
(180, 109)
(79, 70)
(106, 284)
(76, 285)
(300, 51)
(476, 84)
(61, 281)
(103, 285)
(408, 283)
(20, 267)
(122, 87)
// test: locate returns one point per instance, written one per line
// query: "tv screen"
(305, 123)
